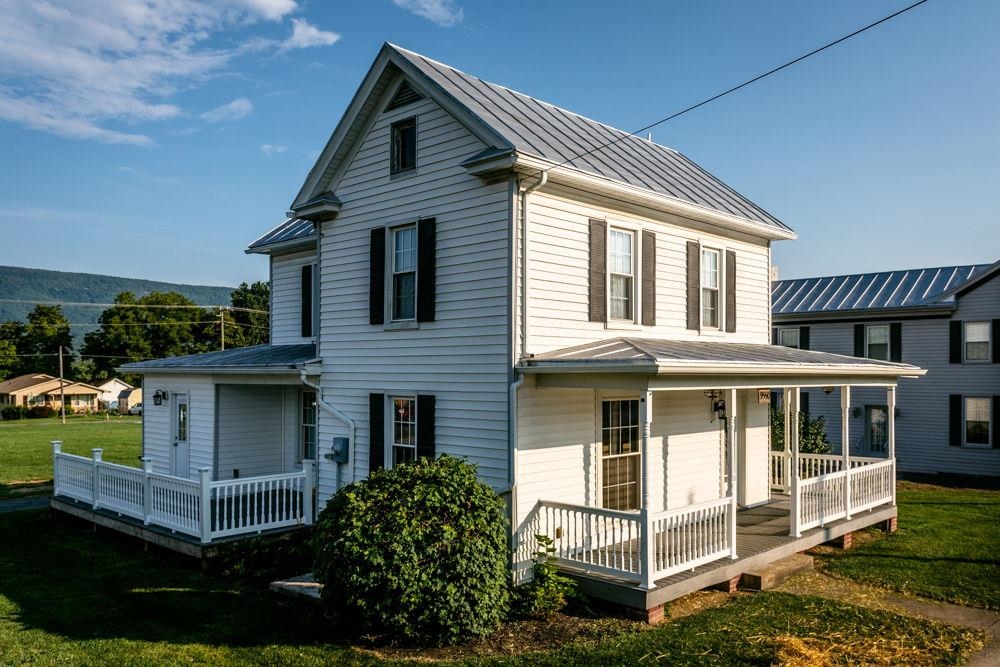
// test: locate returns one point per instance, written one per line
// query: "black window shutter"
(730, 291)
(376, 429)
(376, 281)
(896, 341)
(804, 402)
(774, 336)
(995, 340)
(693, 286)
(955, 342)
(995, 421)
(955, 420)
(648, 279)
(598, 270)
(859, 340)
(803, 338)
(305, 312)
(426, 269)
(425, 426)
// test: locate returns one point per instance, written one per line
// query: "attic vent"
(404, 95)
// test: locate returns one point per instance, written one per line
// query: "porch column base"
(652, 616)
(729, 585)
(845, 541)
(889, 525)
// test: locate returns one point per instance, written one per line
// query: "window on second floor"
(404, 273)
(789, 337)
(977, 341)
(621, 274)
(710, 288)
(877, 341)
(622, 282)
(404, 146)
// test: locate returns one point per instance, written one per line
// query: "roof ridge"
(981, 267)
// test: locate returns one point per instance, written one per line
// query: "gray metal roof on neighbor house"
(540, 129)
(257, 358)
(914, 288)
(289, 232)
(647, 355)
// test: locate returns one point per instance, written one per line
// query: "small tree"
(418, 552)
(812, 433)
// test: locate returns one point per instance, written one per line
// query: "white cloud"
(271, 150)
(304, 35)
(238, 108)
(96, 69)
(445, 13)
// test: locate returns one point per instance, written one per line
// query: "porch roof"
(708, 358)
(254, 359)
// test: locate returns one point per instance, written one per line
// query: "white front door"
(180, 459)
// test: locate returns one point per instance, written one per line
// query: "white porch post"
(731, 465)
(96, 455)
(792, 442)
(845, 444)
(647, 540)
(56, 449)
(786, 462)
(205, 485)
(890, 436)
(147, 489)
(309, 491)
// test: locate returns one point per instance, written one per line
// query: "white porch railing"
(610, 541)
(810, 465)
(202, 508)
(839, 494)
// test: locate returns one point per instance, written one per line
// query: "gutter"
(337, 414)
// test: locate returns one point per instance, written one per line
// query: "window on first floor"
(977, 341)
(404, 429)
(977, 421)
(309, 425)
(620, 452)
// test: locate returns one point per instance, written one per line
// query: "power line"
(131, 305)
(737, 87)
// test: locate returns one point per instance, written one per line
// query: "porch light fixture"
(827, 390)
(718, 406)
(159, 396)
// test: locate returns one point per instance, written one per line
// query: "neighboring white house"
(582, 313)
(110, 390)
(946, 320)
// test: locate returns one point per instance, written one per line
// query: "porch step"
(772, 574)
(303, 587)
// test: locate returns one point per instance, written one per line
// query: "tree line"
(159, 324)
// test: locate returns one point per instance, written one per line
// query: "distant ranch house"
(40, 389)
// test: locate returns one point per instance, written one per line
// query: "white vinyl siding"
(463, 356)
(156, 421)
(252, 439)
(286, 297)
(754, 457)
(559, 273)
(693, 445)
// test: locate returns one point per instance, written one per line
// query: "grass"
(26, 446)
(68, 596)
(947, 547)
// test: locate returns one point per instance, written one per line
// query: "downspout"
(519, 381)
(337, 414)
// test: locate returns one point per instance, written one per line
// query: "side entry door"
(180, 451)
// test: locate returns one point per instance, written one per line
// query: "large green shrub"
(812, 433)
(40, 412)
(12, 412)
(417, 553)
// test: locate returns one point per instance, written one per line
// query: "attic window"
(404, 146)
(405, 94)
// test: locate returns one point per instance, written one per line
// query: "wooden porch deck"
(762, 537)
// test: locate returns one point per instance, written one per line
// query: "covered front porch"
(768, 503)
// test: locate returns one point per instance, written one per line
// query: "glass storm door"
(180, 456)
(876, 429)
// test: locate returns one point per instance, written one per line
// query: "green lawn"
(947, 547)
(68, 596)
(26, 445)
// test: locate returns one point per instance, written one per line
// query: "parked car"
(135, 409)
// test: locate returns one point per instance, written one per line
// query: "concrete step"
(303, 587)
(772, 574)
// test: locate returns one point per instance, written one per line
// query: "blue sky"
(156, 139)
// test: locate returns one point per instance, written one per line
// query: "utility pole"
(62, 384)
(222, 326)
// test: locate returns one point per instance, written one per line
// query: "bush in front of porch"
(812, 433)
(417, 553)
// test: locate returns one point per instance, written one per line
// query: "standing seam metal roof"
(912, 288)
(292, 229)
(534, 127)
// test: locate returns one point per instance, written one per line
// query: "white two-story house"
(583, 314)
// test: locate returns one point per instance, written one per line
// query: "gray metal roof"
(913, 288)
(261, 358)
(649, 354)
(540, 129)
(288, 232)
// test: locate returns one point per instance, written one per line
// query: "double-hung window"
(404, 429)
(977, 421)
(621, 274)
(620, 452)
(309, 425)
(710, 288)
(877, 341)
(404, 273)
(789, 337)
(404, 146)
(977, 341)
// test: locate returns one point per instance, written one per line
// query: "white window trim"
(392, 324)
(303, 454)
(888, 341)
(798, 333)
(633, 324)
(721, 329)
(989, 342)
(992, 420)
(600, 399)
(389, 437)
